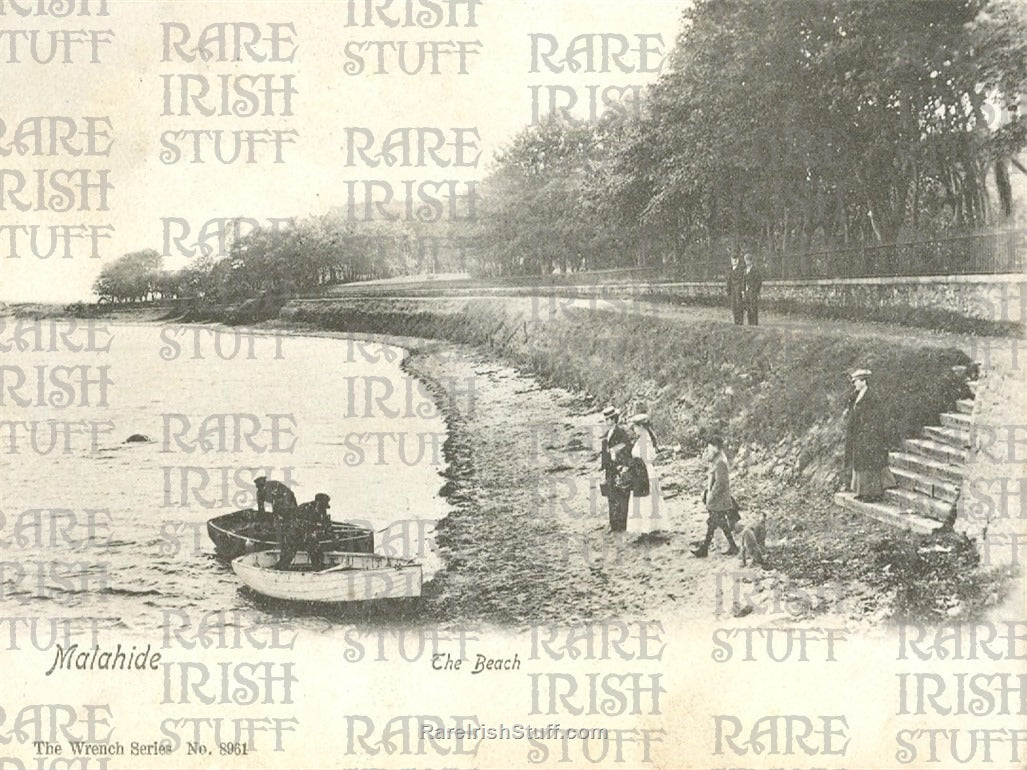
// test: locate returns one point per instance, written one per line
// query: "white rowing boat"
(347, 577)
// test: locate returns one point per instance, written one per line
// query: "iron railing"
(977, 254)
(974, 254)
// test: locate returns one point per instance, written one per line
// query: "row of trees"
(778, 126)
(784, 126)
(304, 257)
(134, 277)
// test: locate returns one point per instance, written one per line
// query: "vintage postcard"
(458, 384)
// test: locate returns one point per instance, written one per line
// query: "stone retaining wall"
(999, 298)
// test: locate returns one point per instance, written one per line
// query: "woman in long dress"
(866, 451)
(645, 513)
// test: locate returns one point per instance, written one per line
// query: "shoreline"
(526, 539)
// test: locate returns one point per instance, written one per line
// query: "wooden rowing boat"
(347, 577)
(246, 531)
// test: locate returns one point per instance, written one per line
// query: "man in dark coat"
(753, 281)
(283, 503)
(308, 524)
(275, 492)
(736, 289)
(615, 457)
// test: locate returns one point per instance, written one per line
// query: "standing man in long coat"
(753, 280)
(615, 456)
(736, 289)
(866, 451)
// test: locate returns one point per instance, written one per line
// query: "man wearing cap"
(717, 497)
(616, 454)
(308, 524)
(866, 451)
(283, 503)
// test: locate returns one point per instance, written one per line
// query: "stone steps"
(955, 437)
(913, 502)
(929, 486)
(886, 513)
(956, 420)
(925, 466)
(965, 405)
(936, 450)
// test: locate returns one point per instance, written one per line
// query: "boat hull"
(247, 531)
(348, 577)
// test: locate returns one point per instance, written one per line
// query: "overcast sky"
(494, 98)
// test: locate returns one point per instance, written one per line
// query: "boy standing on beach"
(717, 498)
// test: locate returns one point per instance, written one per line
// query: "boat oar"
(336, 568)
(345, 566)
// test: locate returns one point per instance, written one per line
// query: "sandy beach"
(529, 539)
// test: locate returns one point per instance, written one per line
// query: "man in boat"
(309, 523)
(275, 492)
(283, 504)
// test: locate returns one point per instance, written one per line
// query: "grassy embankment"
(775, 395)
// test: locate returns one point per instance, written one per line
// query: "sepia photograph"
(473, 384)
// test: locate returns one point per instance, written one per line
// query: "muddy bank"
(525, 478)
(775, 394)
(528, 539)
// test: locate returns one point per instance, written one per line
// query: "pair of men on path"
(297, 527)
(744, 282)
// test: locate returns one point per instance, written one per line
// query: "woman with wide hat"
(866, 451)
(644, 513)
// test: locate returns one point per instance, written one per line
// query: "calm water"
(350, 423)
